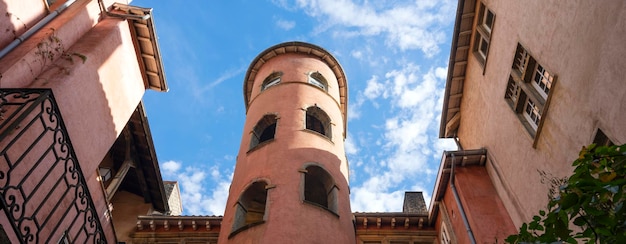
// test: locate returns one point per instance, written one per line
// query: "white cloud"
(170, 167)
(374, 88)
(285, 24)
(405, 24)
(409, 143)
(203, 191)
(350, 146)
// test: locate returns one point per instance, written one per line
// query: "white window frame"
(444, 237)
(542, 80)
(532, 113)
(313, 80)
(483, 21)
(271, 83)
(483, 32)
(317, 83)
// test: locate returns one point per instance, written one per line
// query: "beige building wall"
(174, 201)
(581, 44)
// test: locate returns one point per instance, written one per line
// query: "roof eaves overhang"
(146, 45)
(461, 158)
(459, 54)
(149, 165)
(366, 220)
(300, 48)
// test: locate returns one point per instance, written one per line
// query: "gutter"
(35, 28)
(468, 228)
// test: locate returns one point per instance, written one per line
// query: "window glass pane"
(542, 80)
(317, 83)
(271, 83)
(532, 113)
(488, 22)
(318, 80)
(484, 45)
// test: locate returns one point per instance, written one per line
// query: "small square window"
(532, 113)
(542, 81)
(488, 18)
(483, 33)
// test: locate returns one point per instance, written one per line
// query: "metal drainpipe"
(35, 28)
(470, 234)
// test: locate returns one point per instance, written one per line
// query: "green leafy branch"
(592, 200)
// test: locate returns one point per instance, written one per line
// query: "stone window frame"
(271, 80)
(313, 175)
(317, 79)
(244, 217)
(318, 121)
(260, 131)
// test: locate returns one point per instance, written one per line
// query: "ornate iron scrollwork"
(42, 189)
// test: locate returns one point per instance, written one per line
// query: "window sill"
(243, 228)
(260, 145)
(319, 134)
(322, 207)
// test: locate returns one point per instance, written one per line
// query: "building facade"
(529, 83)
(291, 177)
(77, 161)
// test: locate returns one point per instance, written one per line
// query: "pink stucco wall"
(579, 41)
(96, 98)
(288, 219)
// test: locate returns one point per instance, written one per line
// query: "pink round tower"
(291, 178)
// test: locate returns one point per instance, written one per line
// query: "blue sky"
(394, 54)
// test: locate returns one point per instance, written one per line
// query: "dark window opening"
(602, 139)
(312, 123)
(317, 120)
(315, 191)
(250, 209)
(268, 133)
(320, 189)
(271, 80)
(264, 131)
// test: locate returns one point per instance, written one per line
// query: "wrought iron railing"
(42, 189)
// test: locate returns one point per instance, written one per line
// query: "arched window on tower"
(320, 188)
(271, 80)
(264, 130)
(317, 120)
(317, 79)
(250, 208)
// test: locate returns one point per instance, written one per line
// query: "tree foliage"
(591, 201)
